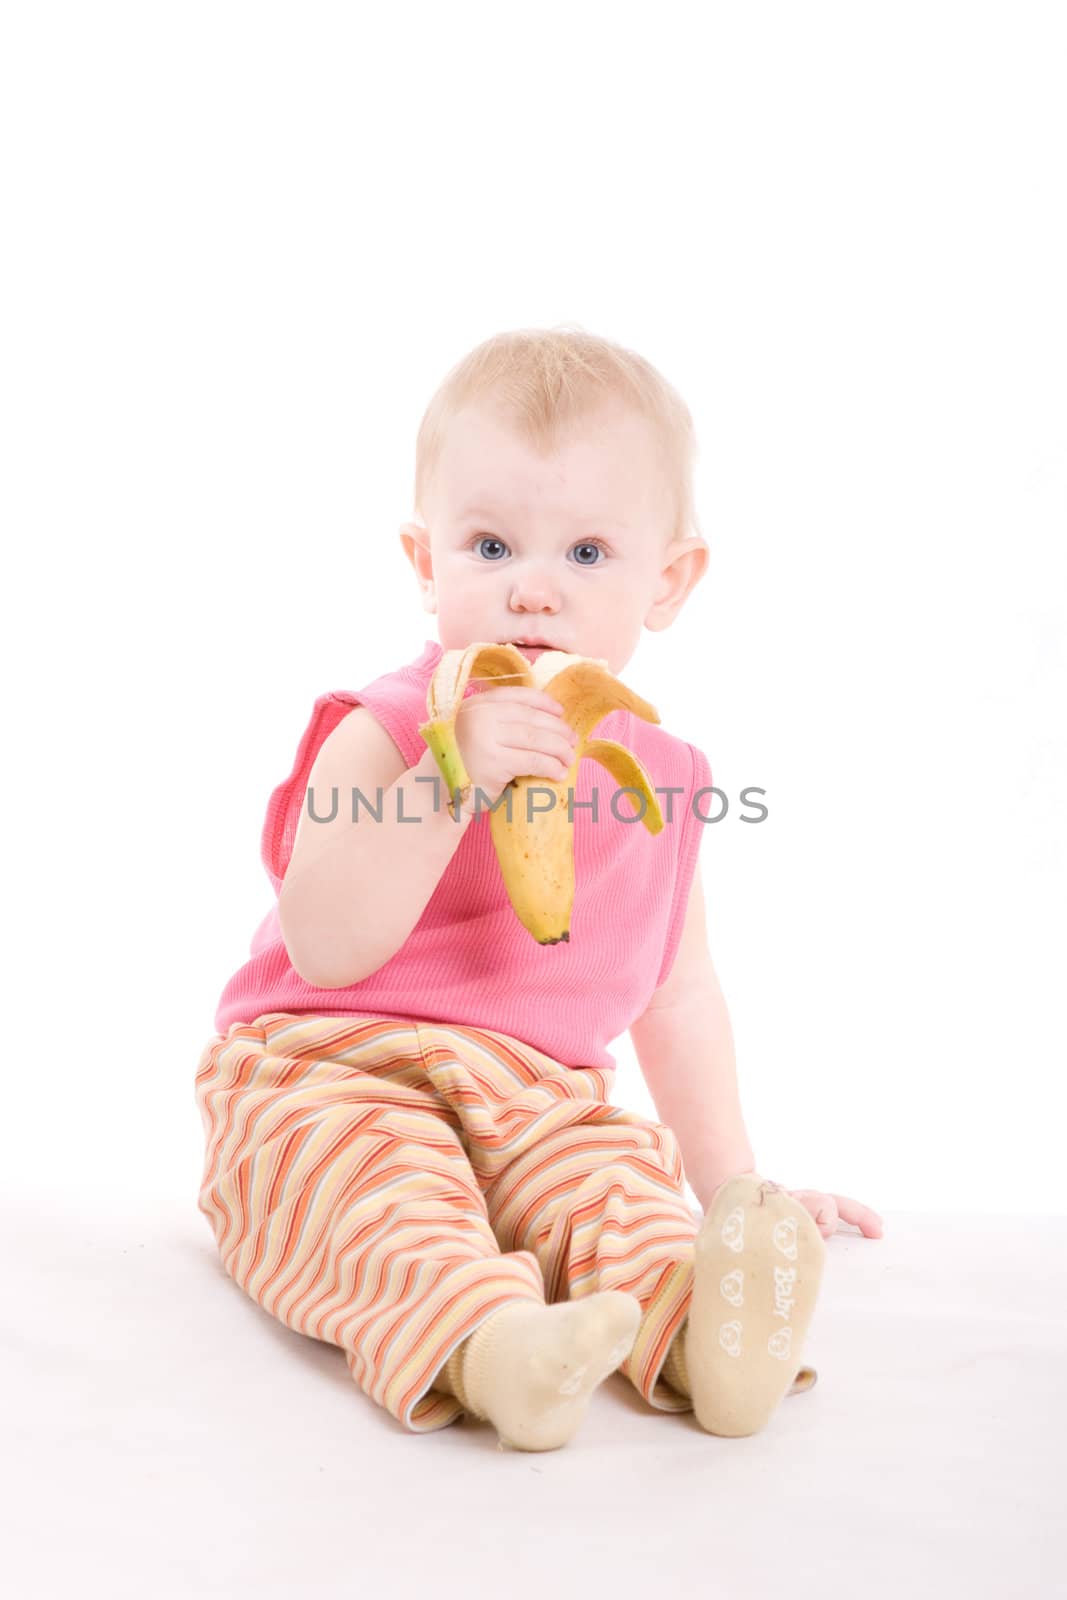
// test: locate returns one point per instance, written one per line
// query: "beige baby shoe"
(756, 1275)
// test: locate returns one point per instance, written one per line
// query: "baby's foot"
(756, 1276)
(531, 1368)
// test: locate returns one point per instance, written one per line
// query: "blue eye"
(585, 544)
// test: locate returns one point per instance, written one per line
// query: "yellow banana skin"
(534, 838)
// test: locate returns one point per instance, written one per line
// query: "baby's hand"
(513, 732)
(829, 1209)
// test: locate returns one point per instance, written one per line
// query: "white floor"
(163, 1436)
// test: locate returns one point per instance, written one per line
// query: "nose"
(531, 593)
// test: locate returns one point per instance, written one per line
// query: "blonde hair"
(544, 380)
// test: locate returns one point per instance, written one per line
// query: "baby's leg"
(343, 1203)
(598, 1193)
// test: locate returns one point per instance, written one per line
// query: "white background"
(243, 246)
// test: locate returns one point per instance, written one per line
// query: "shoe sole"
(758, 1268)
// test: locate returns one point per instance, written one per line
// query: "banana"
(535, 848)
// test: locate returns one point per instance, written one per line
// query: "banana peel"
(535, 846)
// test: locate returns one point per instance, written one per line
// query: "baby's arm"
(353, 891)
(685, 1047)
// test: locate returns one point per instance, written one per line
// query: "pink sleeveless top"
(469, 959)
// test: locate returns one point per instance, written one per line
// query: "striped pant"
(386, 1186)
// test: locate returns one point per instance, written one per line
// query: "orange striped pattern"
(385, 1186)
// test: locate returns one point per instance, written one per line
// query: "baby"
(411, 1149)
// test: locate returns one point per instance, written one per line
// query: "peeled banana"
(535, 848)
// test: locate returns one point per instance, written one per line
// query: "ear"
(685, 563)
(415, 541)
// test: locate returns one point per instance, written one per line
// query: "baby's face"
(570, 548)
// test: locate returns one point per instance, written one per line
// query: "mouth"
(532, 647)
